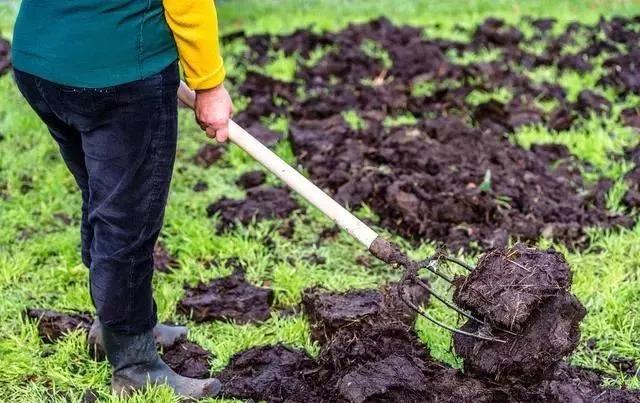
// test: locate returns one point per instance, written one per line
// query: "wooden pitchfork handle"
(303, 186)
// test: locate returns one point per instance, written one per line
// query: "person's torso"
(92, 43)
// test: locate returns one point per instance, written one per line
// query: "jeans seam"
(155, 180)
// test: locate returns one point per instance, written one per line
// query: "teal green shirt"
(92, 43)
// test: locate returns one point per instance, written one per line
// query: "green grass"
(40, 265)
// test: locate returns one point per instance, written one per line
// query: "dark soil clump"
(393, 379)
(5, 56)
(271, 373)
(163, 262)
(571, 384)
(507, 285)
(227, 298)
(208, 154)
(453, 176)
(526, 291)
(550, 334)
(54, 325)
(331, 312)
(261, 203)
(188, 359)
(251, 179)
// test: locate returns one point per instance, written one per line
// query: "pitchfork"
(375, 244)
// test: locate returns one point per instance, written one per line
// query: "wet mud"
(227, 298)
(457, 153)
(251, 179)
(208, 155)
(163, 261)
(54, 325)
(188, 359)
(369, 351)
(5, 56)
(261, 203)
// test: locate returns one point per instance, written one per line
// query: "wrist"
(210, 90)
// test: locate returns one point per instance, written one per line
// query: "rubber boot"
(136, 364)
(165, 335)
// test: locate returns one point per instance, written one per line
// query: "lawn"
(39, 215)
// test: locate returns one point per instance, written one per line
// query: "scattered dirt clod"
(227, 298)
(261, 203)
(251, 179)
(163, 262)
(188, 359)
(208, 154)
(507, 285)
(54, 325)
(526, 291)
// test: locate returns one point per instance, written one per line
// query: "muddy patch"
(54, 325)
(272, 373)
(507, 285)
(208, 154)
(5, 56)
(525, 291)
(261, 203)
(227, 298)
(163, 261)
(251, 179)
(452, 151)
(188, 359)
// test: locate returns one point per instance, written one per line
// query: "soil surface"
(162, 260)
(508, 285)
(227, 298)
(188, 359)
(526, 291)
(261, 203)
(5, 56)
(251, 179)
(54, 325)
(271, 373)
(208, 154)
(457, 153)
(369, 351)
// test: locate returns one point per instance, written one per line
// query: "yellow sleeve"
(194, 24)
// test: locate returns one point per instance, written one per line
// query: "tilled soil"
(369, 351)
(525, 291)
(163, 262)
(5, 56)
(260, 203)
(188, 359)
(453, 176)
(54, 325)
(251, 179)
(208, 155)
(227, 298)
(507, 285)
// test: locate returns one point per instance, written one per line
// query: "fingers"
(219, 134)
(222, 134)
(213, 110)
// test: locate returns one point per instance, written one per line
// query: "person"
(103, 75)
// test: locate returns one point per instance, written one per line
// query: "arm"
(194, 24)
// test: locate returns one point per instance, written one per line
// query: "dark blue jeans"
(119, 143)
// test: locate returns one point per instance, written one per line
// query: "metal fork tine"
(459, 263)
(419, 311)
(447, 303)
(429, 265)
(458, 310)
